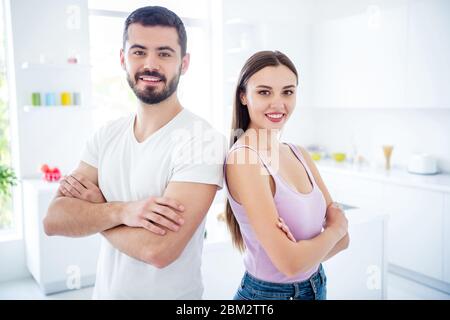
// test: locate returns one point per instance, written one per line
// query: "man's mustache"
(150, 74)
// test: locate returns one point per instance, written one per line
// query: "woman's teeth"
(275, 115)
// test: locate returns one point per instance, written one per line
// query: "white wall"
(409, 130)
(54, 136)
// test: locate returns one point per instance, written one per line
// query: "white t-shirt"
(185, 149)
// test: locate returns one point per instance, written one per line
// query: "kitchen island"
(360, 272)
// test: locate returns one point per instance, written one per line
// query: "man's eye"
(139, 53)
(164, 54)
(264, 92)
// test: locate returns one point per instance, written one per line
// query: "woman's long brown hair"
(241, 118)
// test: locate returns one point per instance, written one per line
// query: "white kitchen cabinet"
(360, 271)
(56, 263)
(359, 61)
(359, 192)
(446, 230)
(415, 233)
(428, 67)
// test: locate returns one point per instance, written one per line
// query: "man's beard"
(149, 94)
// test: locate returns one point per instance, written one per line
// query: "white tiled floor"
(399, 289)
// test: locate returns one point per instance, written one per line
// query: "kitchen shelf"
(30, 66)
(30, 108)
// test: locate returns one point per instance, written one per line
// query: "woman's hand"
(77, 186)
(283, 226)
(336, 220)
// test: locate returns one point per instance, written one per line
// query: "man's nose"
(151, 62)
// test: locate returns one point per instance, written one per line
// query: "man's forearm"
(77, 218)
(339, 246)
(133, 242)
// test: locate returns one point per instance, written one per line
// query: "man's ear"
(243, 98)
(122, 59)
(185, 63)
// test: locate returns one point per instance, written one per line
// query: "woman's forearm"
(340, 246)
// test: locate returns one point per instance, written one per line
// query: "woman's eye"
(264, 92)
(289, 92)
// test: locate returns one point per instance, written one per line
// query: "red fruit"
(45, 168)
(56, 176)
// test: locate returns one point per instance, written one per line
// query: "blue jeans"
(315, 288)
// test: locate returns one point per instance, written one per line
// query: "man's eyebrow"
(166, 48)
(138, 46)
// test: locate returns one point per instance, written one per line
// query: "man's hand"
(152, 213)
(77, 186)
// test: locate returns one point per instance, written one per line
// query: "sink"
(346, 207)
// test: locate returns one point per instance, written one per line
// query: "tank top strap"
(300, 157)
(269, 169)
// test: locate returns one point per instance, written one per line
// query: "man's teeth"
(153, 79)
(275, 116)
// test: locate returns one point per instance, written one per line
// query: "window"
(111, 94)
(6, 203)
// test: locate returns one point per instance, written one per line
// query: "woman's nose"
(277, 103)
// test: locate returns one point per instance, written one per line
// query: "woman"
(279, 210)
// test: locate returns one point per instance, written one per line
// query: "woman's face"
(270, 97)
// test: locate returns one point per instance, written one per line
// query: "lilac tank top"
(303, 213)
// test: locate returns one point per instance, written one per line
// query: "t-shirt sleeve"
(200, 159)
(91, 150)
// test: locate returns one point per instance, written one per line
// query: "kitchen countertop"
(436, 182)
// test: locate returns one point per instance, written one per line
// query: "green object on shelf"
(36, 99)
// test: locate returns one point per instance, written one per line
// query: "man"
(156, 183)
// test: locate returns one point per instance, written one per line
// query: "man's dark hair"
(157, 16)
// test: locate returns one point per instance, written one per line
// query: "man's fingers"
(152, 228)
(74, 183)
(65, 192)
(83, 181)
(157, 218)
(70, 189)
(169, 213)
(169, 203)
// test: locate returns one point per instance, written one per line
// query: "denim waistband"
(319, 275)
